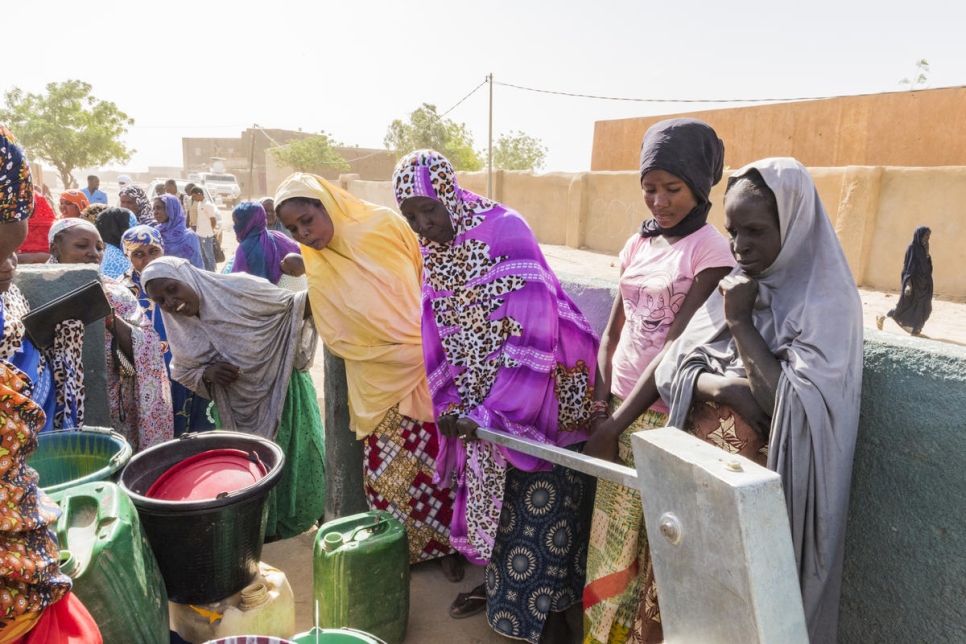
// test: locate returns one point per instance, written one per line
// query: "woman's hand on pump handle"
(454, 426)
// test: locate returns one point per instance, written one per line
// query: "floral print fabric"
(30, 577)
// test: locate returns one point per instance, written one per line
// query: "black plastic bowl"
(210, 549)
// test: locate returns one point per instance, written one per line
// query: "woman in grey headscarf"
(248, 345)
(780, 346)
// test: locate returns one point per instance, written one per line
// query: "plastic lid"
(207, 476)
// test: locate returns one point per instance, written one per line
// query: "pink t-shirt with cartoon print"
(653, 287)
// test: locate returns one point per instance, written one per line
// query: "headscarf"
(76, 197)
(247, 322)
(365, 293)
(917, 260)
(16, 187)
(503, 344)
(277, 224)
(141, 236)
(178, 240)
(145, 213)
(92, 211)
(810, 315)
(691, 150)
(260, 250)
(112, 223)
(72, 222)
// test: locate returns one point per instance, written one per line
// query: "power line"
(691, 100)
(463, 99)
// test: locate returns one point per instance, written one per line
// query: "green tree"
(68, 127)
(519, 151)
(922, 75)
(311, 154)
(426, 129)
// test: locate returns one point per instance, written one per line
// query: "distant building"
(247, 158)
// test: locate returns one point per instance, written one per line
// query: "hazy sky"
(206, 68)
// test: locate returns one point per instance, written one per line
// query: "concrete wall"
(905, 573)
(40, 284)
(896, 128)
(874, 210)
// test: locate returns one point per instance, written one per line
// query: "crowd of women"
(449, 318)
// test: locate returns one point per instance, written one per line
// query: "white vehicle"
(221, 184)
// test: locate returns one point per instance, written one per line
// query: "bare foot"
(879, 319)
(453, 567)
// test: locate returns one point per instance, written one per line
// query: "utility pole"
(251, 163)
(489, 148)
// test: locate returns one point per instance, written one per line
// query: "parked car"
(223, 185)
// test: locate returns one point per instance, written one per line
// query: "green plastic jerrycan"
(105, 552)
(361, 573)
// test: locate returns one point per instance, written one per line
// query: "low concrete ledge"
(41, 283)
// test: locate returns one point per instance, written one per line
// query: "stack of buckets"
(103, 547)
(203, 502)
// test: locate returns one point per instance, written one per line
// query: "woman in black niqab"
(915, 299)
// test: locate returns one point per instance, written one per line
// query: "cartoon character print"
(653, 305)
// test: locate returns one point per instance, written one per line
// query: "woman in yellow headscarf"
(364, 272)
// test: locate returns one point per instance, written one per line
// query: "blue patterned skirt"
(540, 552)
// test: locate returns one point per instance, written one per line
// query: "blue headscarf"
(260, 250)
(16, 187)
(179, 241)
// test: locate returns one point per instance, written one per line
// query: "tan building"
(923, 128)
(247, 158)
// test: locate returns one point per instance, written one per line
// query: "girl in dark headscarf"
(915, 300)
(112, 224)
(668, 269)
(260, 250)
(178, 240)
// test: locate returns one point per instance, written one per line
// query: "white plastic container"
(264, 607)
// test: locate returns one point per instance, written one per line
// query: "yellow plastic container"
(264, 607)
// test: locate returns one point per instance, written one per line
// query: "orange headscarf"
(76, 197)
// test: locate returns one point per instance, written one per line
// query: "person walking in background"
(915, 298)
(91, 191)
(206, 225)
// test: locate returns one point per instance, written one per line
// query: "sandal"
(469, 604)
(452, 566)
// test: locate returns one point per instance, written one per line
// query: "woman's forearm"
(123, 335)
(762, 367)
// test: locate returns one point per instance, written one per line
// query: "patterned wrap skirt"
(620, 597)
(400, 459)
(540, 552)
